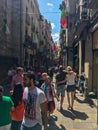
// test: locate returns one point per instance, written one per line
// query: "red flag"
(63, 19)
(54, 48)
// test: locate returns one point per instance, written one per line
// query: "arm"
(76, 78)
(44, 114)
(54, 94)
(12, 105)
(13, 108)
(56, 82)
(63, 81)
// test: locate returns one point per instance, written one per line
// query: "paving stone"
(83, 117)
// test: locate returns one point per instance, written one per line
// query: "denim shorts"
(36, 127)
(71, 88)
(15, 125)
(61, 90)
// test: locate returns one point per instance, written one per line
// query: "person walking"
(49, 91)
(82, 81)
(6, 105)
(35, 105)
(43, 78)
(17, 114)
(70, 78)
(60, 85)
(17, 78)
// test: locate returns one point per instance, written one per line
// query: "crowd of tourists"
(32, 97)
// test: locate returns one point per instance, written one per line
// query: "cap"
(44, 74)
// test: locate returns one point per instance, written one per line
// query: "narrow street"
(49, 36)
(83, 117)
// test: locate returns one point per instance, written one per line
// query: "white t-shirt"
(71, 78)
(32, 100)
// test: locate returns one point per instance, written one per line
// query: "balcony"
(82, 19)
(84, 16)
(80, 27)
(93, 4)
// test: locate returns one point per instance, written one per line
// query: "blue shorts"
(61, 90)
(71, 88)
(36, 127)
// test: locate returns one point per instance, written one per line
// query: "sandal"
(61, 108)
(68, 108)
(71, 108)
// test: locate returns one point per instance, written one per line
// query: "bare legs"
(70, 100)
(62, 99)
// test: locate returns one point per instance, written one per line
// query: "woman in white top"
(71, 78)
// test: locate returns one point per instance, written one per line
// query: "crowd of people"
(32, 97)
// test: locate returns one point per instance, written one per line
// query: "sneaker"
(68, 108)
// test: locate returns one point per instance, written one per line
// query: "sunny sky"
(50, 10)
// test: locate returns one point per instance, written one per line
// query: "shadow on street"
(87, 100)
(53, 125)
(74, 114)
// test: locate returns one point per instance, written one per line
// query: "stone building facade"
(81, 40)
(85, 42)
(21, 33)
